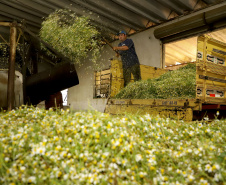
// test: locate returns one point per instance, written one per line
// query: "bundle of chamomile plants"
(173, 84)
(71, 35)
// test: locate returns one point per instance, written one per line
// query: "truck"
(210, 99)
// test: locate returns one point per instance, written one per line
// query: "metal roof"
(109, 16)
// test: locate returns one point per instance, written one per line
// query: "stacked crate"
(117, 81)
(102, 83)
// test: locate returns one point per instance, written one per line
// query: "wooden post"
(11, 71)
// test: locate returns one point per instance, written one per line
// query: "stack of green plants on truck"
(173, 84)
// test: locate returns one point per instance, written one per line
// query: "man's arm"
(122, 48)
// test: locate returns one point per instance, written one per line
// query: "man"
(129, 58)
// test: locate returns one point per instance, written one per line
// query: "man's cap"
(122, 32)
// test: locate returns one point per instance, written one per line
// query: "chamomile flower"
(7, 159)
(190, 178)
(203, 182)
(31, 179)
(217, 177)
(208, 168)
(142, 174)
(41, 150)
(138, 157)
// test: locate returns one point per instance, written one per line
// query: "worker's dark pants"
(135, 70)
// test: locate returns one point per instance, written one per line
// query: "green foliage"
(4, 50)
(4, 56)
(173, 84)
(71, 35)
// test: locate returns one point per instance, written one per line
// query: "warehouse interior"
(113, 15)
(164, 32)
